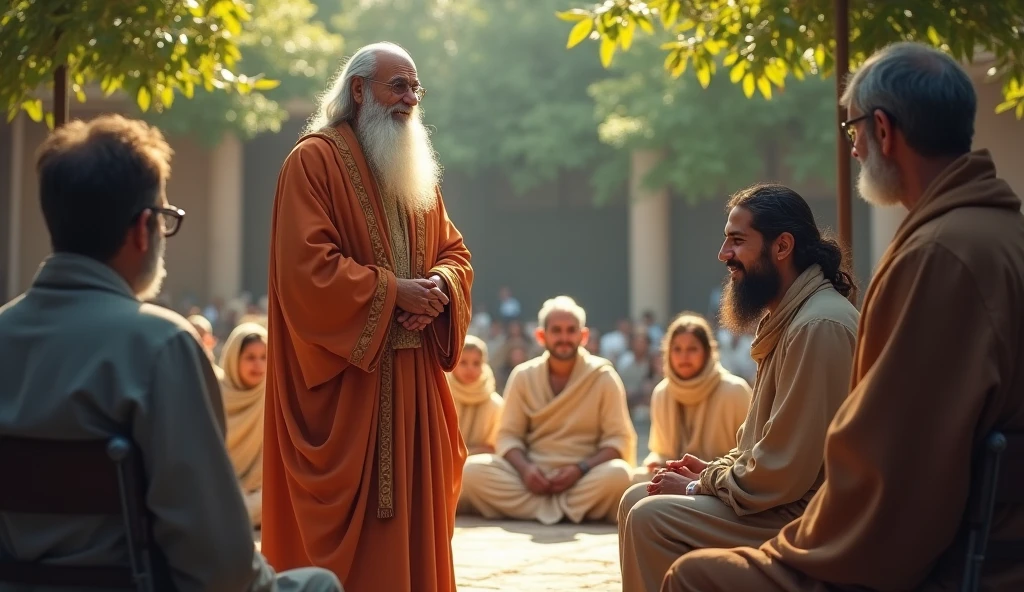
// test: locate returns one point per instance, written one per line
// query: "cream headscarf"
(480, 390)
(691, 392)
(244, 410)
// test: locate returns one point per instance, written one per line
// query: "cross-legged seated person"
(788, 279)
(566, 445)
(698, 406)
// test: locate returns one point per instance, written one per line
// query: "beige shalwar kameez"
(804, 351)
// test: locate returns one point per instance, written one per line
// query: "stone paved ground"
(514, 556)
(529, 557)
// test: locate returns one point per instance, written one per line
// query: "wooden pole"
(843, 209)
(61, 107)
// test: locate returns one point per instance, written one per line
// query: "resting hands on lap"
(565, 477)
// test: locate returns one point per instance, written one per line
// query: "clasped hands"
(548, 484)
(675, 475)
(420, 301)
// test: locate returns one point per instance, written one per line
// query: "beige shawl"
(479, 408)
(589, 414)
(244, 410)
(804, 353)
(697, 416)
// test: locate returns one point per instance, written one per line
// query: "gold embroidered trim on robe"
(398, 228)
(385, 481)
(379, 253)
(402, 338)
(457, 303)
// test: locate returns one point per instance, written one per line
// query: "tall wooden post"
(61, 107)
(845, 215)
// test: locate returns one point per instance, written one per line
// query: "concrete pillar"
(884, 222)
(650, 274)
(17, 188)
(225, 254)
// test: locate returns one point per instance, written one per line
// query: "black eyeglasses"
(851, 131)
(170, 218)
(400, 87)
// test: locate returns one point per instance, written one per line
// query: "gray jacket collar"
(69, 271)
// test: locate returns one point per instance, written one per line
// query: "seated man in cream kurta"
(787, 278)
(566, 445)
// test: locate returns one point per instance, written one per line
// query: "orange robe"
(362, 453)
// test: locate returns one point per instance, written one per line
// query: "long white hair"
(400, 154)
(336, 105)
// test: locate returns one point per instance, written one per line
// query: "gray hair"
(336, 104)
(925, 93)
(561, 304)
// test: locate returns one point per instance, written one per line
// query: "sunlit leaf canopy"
(150, 49)
(760, 43)
(156, 51)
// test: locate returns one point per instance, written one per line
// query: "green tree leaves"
(776, 38)
(149, 48)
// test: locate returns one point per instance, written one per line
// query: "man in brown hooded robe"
(939, 358)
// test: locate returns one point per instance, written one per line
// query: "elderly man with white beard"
(369, 303)
(938, 363)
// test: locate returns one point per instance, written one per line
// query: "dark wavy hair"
(776, 209)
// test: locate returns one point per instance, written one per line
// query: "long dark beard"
(745, 301)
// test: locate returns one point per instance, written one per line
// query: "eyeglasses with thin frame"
(849, 126)
(402, 86)
(170, 218)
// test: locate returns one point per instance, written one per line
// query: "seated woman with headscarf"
(698, 407)
(478, 405)
(244, 362)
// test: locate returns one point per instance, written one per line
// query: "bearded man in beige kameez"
(783, 272)
(566, 445)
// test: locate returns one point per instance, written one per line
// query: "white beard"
(879, 180)
(399, 153)
(153, 275)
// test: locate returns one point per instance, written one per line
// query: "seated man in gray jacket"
(82, 357)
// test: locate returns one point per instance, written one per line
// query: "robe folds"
(555, 431)
(938, 367)
(804, 352)
(362, 452)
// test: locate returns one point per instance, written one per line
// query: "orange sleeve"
(453, 264)
(336, 310)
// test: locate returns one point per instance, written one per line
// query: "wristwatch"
(691, 487)
(583, 466)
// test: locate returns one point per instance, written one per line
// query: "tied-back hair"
(776, 209)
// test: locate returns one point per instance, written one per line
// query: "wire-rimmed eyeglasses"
(401, 86)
